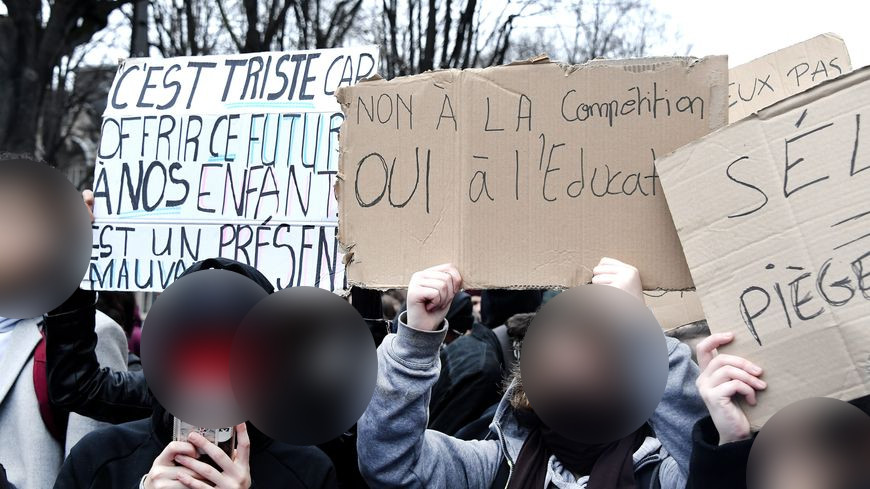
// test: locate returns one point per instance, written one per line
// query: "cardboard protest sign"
(222, 156)
(676, 308)
(522, 175)
(774, 217)
(753, 86)
(775, 76)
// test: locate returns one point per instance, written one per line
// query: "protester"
(142, 454)
(143, 451)
(396, 449)
(721, 442)
(25, 422)
(36, 434)
(80, 384)
(515, 327)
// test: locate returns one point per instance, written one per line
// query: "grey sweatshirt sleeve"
(681, 406)
(395, 448)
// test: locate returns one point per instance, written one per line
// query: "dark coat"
(715, 466)
(119, 456)
(470, 381)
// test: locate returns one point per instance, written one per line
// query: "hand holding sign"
(429, 296)
(722, 378)
(614, 273)
(88, 197)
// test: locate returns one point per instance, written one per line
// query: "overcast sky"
(747, 29)
(742, 29)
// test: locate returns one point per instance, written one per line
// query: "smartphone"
(224, 438)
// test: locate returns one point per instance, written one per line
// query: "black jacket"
(470, 381)
(713, 466)
(117, 457)
(75, 379)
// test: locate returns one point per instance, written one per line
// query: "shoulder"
(104, 446)
(677, 350)
(106, 326)
(111, 339)
(308, 465)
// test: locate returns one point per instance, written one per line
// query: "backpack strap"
(54, 418)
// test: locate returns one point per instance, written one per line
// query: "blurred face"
(804, 463)
(576, 360)
(594, 364)
(816, 443)
(28, 236)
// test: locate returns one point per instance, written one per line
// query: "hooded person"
(396, 449)
(126, 455)
(78, 383)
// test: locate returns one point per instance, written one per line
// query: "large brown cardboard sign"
(774, 216)
(780, 74)
(751, 87)
(522, 175)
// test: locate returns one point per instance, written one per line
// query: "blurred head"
(188, 335)
(594, 364)
(816, 443)
(45, 237)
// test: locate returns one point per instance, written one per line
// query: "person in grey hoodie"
(396, 450)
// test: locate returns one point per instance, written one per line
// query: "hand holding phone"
(224, 438)
(164, 471)
(231, 470)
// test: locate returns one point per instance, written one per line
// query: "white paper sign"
(222, 156)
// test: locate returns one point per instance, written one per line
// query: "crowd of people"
(449, 408)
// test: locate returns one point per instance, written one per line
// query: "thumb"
(88, 197)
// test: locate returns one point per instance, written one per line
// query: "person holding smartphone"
(146, 454)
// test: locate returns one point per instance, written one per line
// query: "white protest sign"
(222, 156)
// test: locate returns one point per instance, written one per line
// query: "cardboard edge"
(829, 35)
(634, 65)
(822, 90)
(812, 94)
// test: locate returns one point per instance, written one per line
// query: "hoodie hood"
(233, 266)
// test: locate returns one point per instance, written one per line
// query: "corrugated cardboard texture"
(780, 74)
(522, 175)
(774, 216)
(675, 308)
